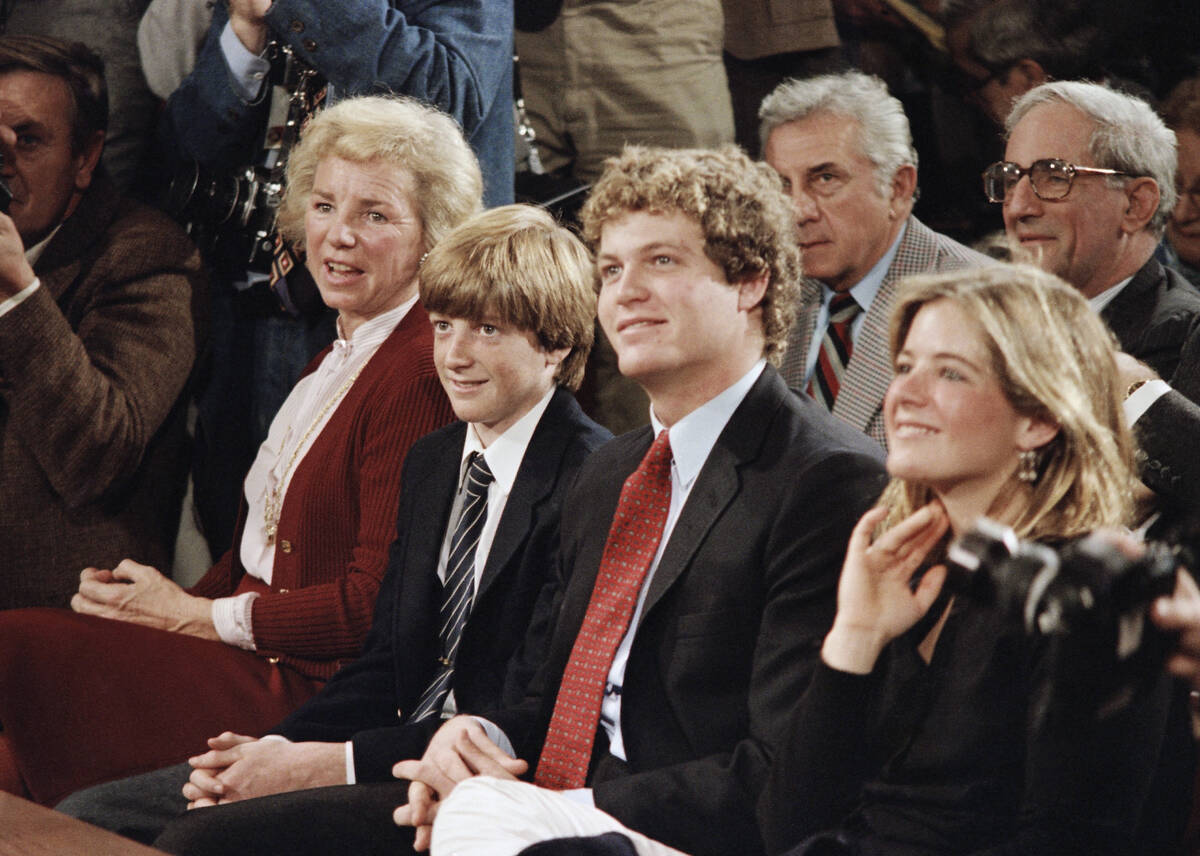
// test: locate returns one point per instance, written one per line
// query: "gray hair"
(884, 136)
(1129, 135)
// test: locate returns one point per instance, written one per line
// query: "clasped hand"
(239, 767)
(459, 750)
(141, 595)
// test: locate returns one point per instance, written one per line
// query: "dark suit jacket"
(368, 701)
(733, 619)
(1156, 318)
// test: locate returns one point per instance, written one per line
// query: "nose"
(806, 207)
(341, 231)
(628, 286)
(1020, 200)
(458, 348)
(911, 387)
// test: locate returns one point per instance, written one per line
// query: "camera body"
(1087, 600)
(220, 207)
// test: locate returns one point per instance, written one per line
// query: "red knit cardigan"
(339, 512)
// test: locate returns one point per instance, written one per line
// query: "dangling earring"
(1027, 470)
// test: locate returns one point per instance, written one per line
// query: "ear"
(1034, 433)
(1025, 75)
(752, 289)
(554, 358)
(1143, 197)
(904, 185)
(85, 161)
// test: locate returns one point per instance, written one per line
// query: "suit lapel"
(800, 337)
(1129, 313)
(418, 594)
(870, 370)
(535, 479)
(719, 481)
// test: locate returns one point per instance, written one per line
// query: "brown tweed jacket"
(93, 452)
(860, 402)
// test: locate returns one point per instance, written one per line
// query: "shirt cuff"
(247, 71)
(1136, 405)
(19, 298)
(350, 777)
(496, 735)
(231, 618)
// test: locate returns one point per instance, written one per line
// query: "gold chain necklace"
(273, 504)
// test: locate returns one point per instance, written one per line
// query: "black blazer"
(368, 701)
(733, 619)
(1156, 318)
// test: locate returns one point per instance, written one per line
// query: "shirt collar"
(693, 436)
(506, 452)
(35, 252)
(865, 289)
(1107, 296)
(374, 330)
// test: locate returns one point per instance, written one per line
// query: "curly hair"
(418, 140)
(517, 265)
(1054, 360)
(748, 223)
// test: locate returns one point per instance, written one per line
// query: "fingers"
(1180, 611)
(203, 787)
(420, 803)
(929, 587)
(423, 838)
(227, 740)
(905, 545)
(483, 757)
(201, 803)
(216, 759)
(860, 536)
(130, 571)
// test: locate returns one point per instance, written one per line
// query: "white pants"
(497, 817)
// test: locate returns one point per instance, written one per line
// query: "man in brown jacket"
(99, 331)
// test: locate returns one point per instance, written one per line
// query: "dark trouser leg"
(138, 807)
(347, 820)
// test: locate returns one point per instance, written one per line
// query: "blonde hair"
(748, 223)
(1053, 358)
(517, 265)
(424, 144)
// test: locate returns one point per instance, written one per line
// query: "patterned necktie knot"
(633, 541)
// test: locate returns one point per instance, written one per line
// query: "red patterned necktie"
(633, 540)
(836, 347)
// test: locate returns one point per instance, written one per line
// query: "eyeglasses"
(1050, 178)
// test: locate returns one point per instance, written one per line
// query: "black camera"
(1088, 600)
(220, 208)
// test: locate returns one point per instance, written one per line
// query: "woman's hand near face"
(876, 602)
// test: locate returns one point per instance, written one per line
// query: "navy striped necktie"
(458, 589)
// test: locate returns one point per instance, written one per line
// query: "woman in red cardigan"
(142, 671)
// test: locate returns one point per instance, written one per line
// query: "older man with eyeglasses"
(1087, 184)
